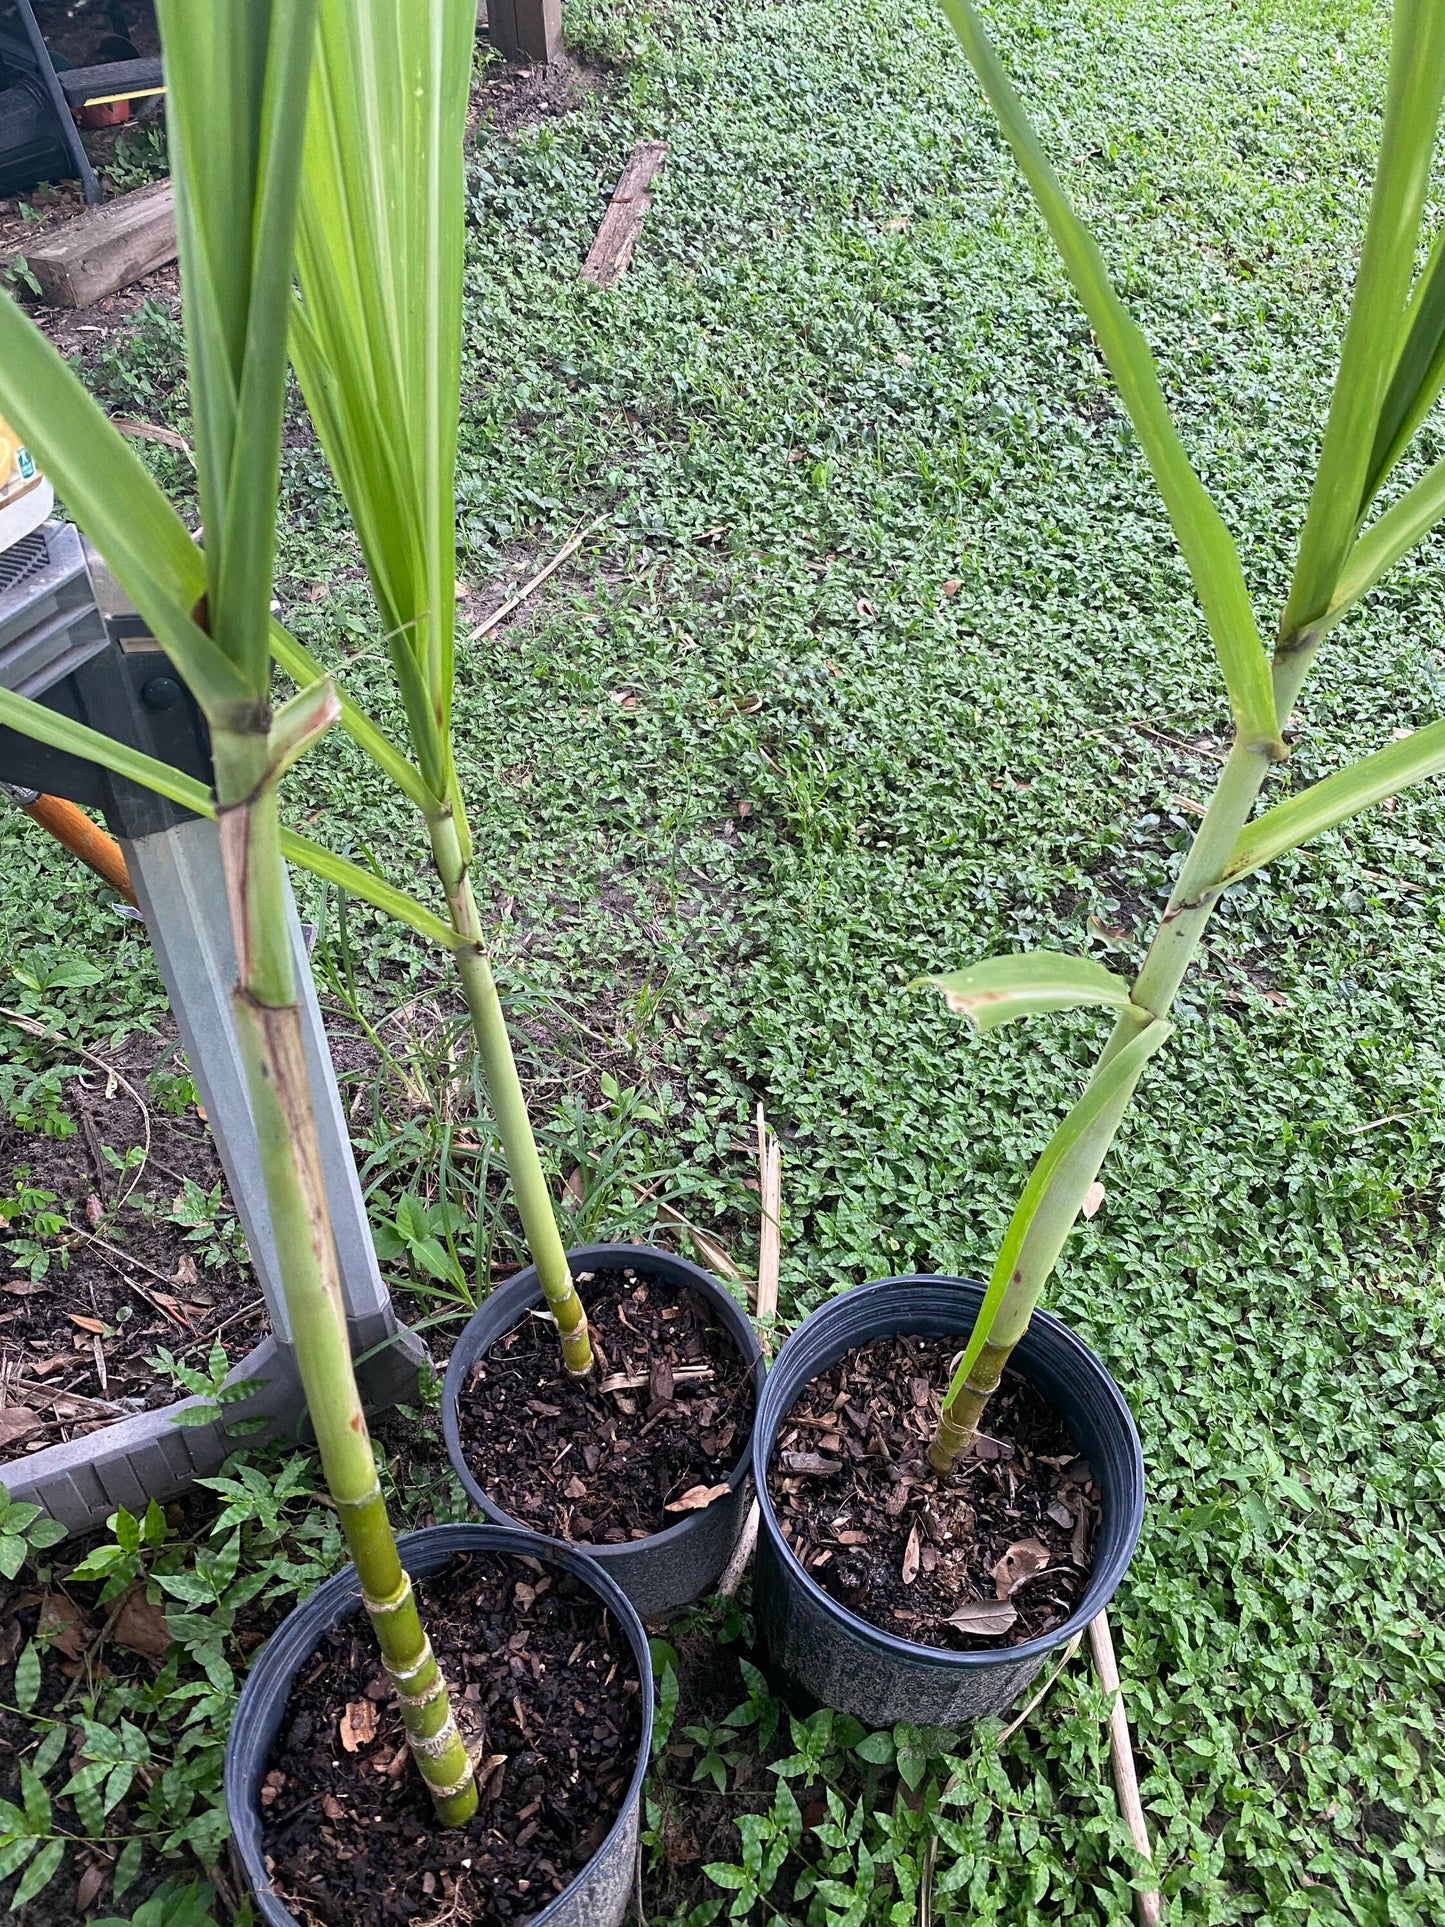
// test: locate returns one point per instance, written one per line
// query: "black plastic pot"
(600, 1894)
(842, 1660)
(671, 1568)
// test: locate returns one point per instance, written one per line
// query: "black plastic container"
(842, 1660)
(602, 1891)
(671, 1568)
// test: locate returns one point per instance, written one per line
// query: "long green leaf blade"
(44, 725)
(303, 668)
(1208, 547)
(1418, 376)
(1405, 523)
(115, 499)
(1396, 767)
(1374, 335)
(1024, 985)
(377, 333)
(238, 78)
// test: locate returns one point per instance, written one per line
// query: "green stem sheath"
(268, 1022)
(1045, 1217)
(509, 1105)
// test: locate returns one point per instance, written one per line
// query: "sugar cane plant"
(376, 340)
(1391, 372)
(238, 81)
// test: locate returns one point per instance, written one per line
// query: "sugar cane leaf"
(1375, 333)
(1024, 985)
(1397, 531)
(303, 668)
(1418, 376)
(1208, 547)
(1396, 767)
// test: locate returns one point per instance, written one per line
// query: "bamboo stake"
(1148, 1901)
(770, 1238)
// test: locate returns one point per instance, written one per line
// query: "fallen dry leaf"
(698, 1497)
(661, 1384)
(331, 1806)
(572, 1191)
(810, 1464)
(63, 1625)
(1093, 1198)
(85, 1324)
(141, 1627)
(24, 1287)
(94, 1209)
(89, 1885)
(910, 1557)
(17, 1423)
(358, 1724)
(1019, 1564)
(983, 1618)
(186, 1273)
(952, 587)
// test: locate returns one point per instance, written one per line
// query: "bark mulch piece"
(995, 1553)
(664, 1417)
(548, 1700)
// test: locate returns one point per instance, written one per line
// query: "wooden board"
(526, 29)
(105, 248)
(610, 253)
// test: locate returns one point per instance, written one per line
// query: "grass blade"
(1396, 767)
(1208, 547)
(1374, 335)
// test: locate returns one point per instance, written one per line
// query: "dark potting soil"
(548, 1701)
(994, 1553)
(663, 1419)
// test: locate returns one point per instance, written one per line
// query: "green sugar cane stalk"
(1392, 369)
(238, 84)
(376, 343)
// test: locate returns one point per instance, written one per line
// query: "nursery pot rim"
(513, 1540)
(598, 1258)
(768, 1424)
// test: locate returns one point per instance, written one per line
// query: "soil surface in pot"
(548, 1700)
(992, 1554)
(647, 1439)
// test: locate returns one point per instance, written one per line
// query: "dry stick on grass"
(570, 547)
(1148, 1901)
(765, 1310)
(770, 1237)
(611, 251)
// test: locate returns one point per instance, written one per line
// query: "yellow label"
(18, 473)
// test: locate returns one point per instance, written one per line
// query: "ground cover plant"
(927, 430)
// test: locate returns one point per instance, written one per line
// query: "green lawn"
(880, 658)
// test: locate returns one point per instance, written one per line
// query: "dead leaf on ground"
(358, 1724)
(572, 1192)
(810, 1464)
(63, 1625)
(25, 1287)
(1019, 1564)
(141, 1627)
(910, 1556)
(331, 1806)
(89, 1886)
(661, 1384)
(9, 1641)
(984, 1618)
(696, 1498)
(17, 1423)
(1093, 1198)
(86, 1324)
(952, 587)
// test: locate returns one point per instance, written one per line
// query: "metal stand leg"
(181, 893)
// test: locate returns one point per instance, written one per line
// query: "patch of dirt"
(665, 1416)
(996, 1552)
(122, 1279)
(546, 1695)
(514, 100)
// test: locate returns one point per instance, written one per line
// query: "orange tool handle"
(70, 825)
